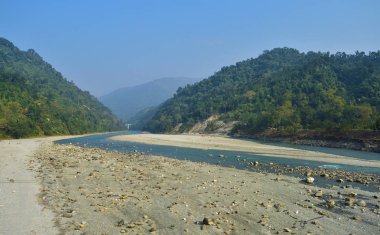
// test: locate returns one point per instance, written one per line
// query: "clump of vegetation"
(36, 100)
(283, 89)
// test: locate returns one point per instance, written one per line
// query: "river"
(230, 158)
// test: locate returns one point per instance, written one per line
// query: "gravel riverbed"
(93, 191)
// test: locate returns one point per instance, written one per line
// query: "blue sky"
(105, 45)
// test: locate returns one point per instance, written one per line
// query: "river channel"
(230, 158)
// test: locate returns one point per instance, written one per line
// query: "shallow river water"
(230, 158)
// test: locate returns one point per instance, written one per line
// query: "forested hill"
(36, 100)
(282, 89)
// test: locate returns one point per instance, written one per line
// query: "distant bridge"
(128, 125)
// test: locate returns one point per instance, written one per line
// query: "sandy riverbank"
(20, 210)
(225, 143)
(92, 191)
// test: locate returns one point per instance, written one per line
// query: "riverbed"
(295, 155)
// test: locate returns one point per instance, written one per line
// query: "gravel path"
(20, 211)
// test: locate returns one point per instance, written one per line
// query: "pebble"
(352, 194)
(362, 203)
(279, 206)
(208, 221)
(120, 223)
(330, 203)
(81, 226)
(322, 212)
(309, 180)
(349, 201)
(67, 215)
(131, 225)
(319, 193)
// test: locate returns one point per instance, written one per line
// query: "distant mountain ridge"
(36, 100)
(127, 102)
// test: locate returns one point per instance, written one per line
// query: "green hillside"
(282, 90)
(36, 100)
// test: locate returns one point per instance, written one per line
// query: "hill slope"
(36, 100)
(282, 90)
(127, 102)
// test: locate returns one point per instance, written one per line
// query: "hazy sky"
(104, 45)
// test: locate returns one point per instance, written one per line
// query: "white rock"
(309, 180)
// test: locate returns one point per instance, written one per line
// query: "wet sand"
(225, 143)
(93, 191)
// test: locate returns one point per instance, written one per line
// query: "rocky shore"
(92, 191)
(327, 177)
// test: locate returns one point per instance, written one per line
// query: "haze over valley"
(129, 101)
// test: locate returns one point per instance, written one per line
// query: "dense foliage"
(36, 100)
(283, 89)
